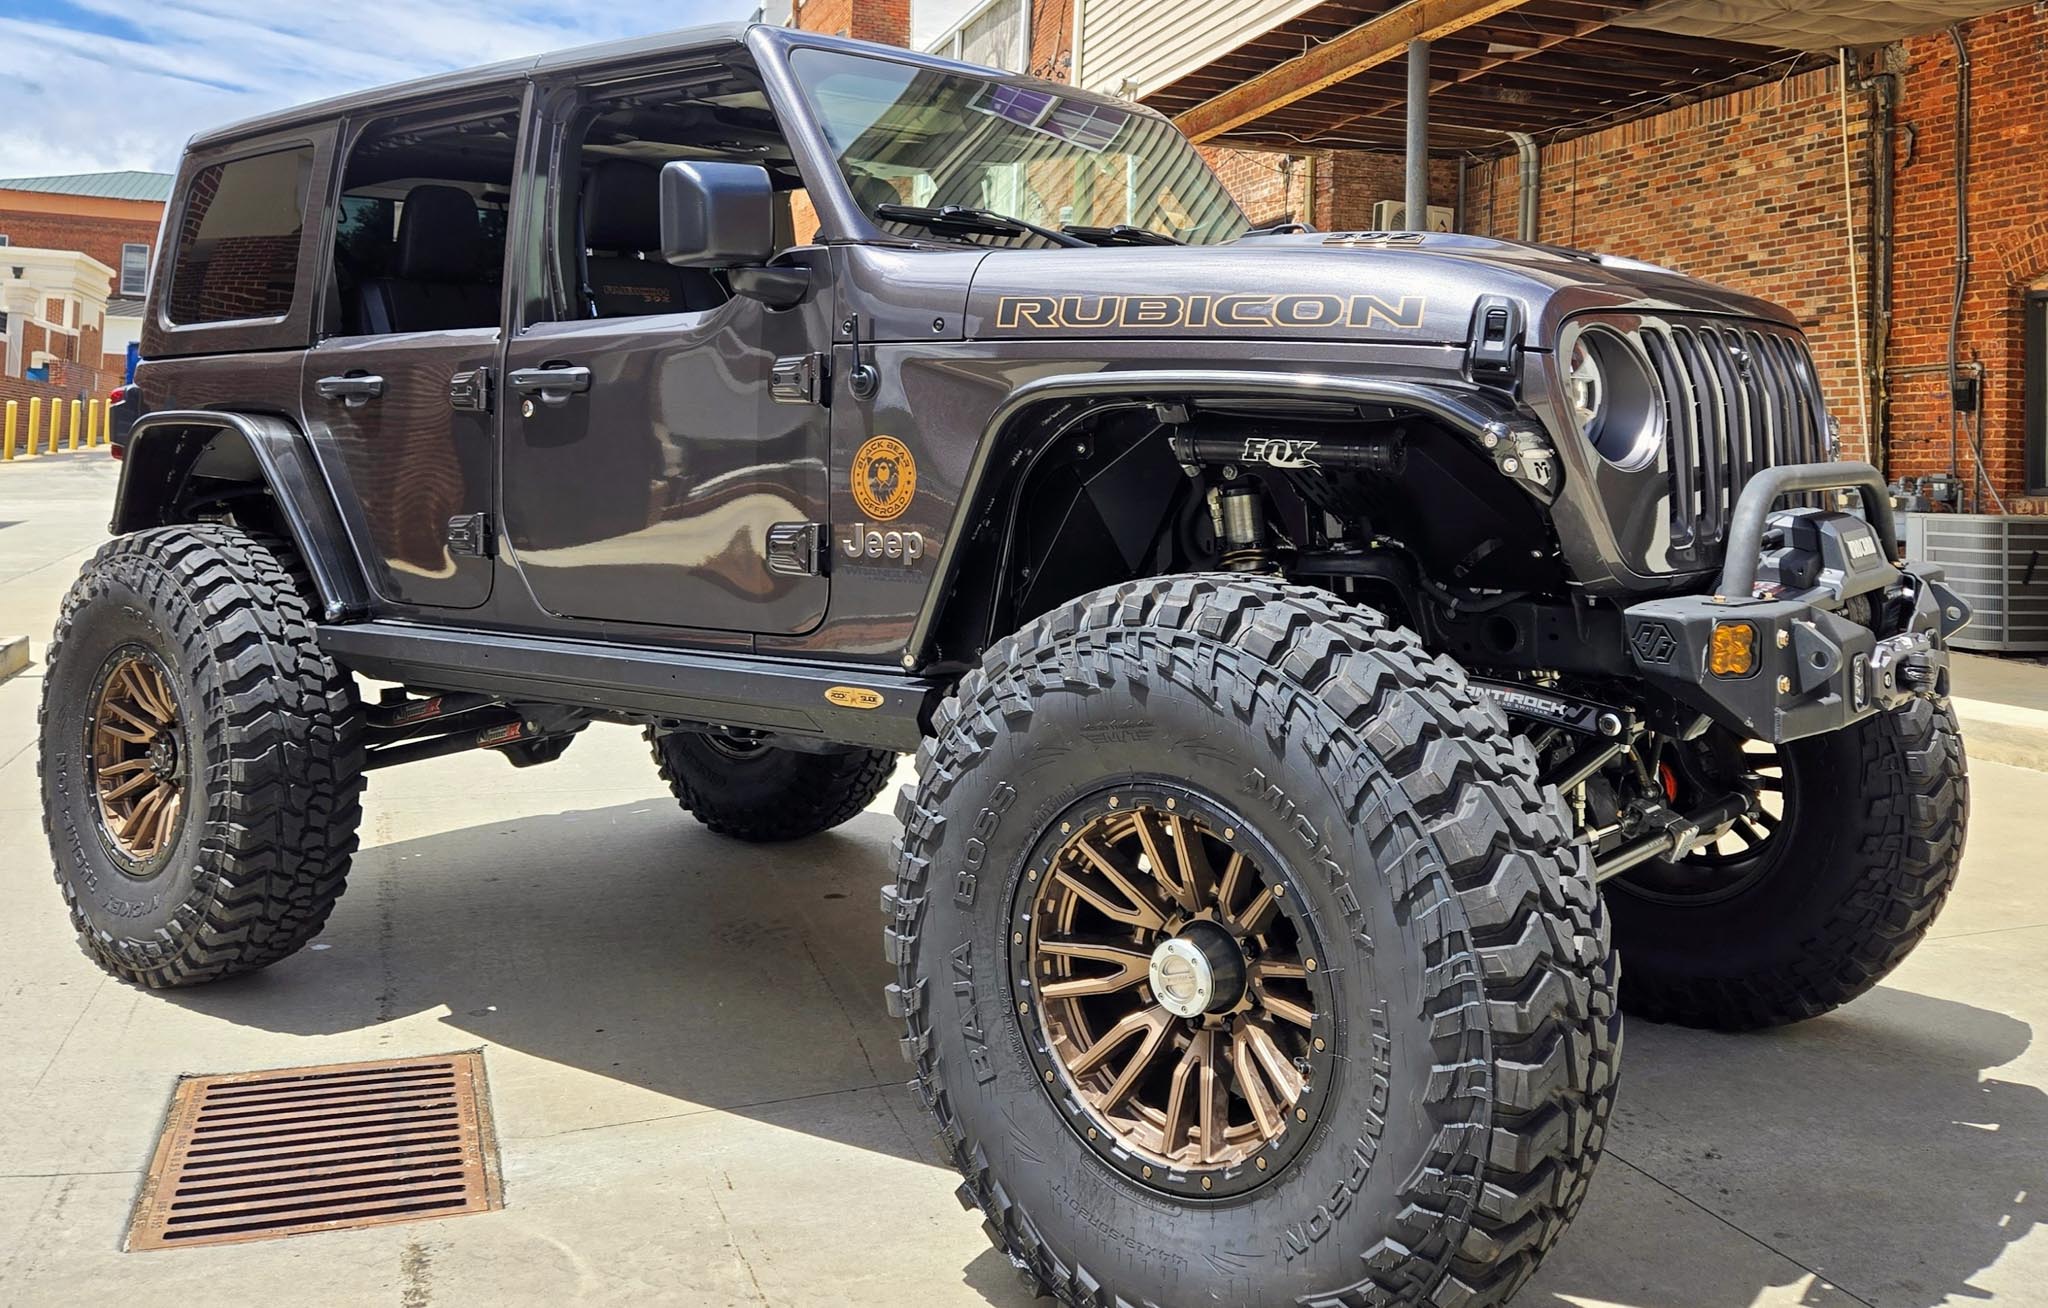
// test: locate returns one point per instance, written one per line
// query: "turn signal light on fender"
(1732, 651)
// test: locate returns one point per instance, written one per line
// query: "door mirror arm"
(777, 287)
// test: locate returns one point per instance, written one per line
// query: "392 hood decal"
(1239, 311)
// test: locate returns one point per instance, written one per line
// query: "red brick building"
(75, 264)
(1698, 136)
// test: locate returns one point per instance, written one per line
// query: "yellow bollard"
(7, 427)
(35, 416)
(92, 423)
(106, 422)
(77, 417)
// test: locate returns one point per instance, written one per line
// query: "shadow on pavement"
(630, 943)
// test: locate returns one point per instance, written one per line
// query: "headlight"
(1613, 398)
(1587, 386)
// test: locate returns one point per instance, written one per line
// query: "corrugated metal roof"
(103, 186)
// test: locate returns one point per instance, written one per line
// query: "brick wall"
(1743, 190)
(2008, 240)
(887, 21)
(101, 238)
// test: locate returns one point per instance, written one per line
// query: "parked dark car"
(1319, 649)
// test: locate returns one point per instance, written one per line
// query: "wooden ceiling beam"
(1369, 44)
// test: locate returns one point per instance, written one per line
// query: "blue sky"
(111, 84)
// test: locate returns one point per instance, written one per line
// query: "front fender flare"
(164, 447)
(1510, 438)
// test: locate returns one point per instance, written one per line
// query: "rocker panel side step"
(849, 705)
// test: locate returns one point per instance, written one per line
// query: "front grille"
(1738, 397)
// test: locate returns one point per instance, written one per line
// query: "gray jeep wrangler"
(1321, 651)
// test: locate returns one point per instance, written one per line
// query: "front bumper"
(1815, 669)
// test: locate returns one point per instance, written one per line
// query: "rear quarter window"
(237, 254)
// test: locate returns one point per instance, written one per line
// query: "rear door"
(397, 392)
(650, 467)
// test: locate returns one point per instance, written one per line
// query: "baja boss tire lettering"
(985, 823)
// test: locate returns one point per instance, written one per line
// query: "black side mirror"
(716, 215)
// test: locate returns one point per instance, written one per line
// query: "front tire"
(743, 788)
(201, 758)
(1833, 895)
(1438, 1031)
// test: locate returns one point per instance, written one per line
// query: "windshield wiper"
(981, 222)
(1120, 234)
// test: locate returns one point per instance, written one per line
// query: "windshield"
(930, 137)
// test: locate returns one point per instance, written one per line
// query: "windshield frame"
(841, 219)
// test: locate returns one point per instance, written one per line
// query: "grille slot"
(254, 1155)
(1738, 398)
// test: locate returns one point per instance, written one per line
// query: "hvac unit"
(1392, 216)
(1999, 564)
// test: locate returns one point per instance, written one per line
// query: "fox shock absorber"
(1239, 516)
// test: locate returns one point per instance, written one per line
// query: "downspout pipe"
(1531, 165)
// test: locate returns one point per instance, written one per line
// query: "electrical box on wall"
(1392, 216)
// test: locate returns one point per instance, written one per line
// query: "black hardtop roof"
(709, 36)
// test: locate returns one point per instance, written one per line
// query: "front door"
(648, 463)
(643, 487)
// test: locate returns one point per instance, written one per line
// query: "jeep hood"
(1396, 288)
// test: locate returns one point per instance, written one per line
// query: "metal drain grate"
(254, 1155)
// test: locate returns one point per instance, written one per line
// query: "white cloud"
(111, 84)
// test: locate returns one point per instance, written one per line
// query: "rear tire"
(1455, 1030)
(1833, 900)
(760, 793)
(184, 662)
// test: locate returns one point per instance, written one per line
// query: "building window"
(134, 269)
(3, 240)
(237, 253)
(2037, 391)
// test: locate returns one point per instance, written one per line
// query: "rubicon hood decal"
(1237, 310)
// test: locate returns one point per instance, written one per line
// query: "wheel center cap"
(1201, 970)
(163, 756)
(1182, 977)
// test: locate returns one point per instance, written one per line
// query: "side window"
(607, 202)
(419, 236)
(134, 269)
(238, 239)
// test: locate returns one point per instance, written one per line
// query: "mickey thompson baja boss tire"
(201, 758)
(1838, 886)
(1248, 800)
(740, 787)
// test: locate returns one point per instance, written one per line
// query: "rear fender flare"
(164, 449)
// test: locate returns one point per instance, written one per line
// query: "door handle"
(354, 390)
(553, 385)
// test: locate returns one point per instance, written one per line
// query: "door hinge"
(797, 549)
(798, 379)
(470, 390)
(469, 534)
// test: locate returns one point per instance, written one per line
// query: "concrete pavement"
(699, 1099)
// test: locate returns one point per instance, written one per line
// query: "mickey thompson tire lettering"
(1467, 950)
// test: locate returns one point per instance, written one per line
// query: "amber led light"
(1732, 651)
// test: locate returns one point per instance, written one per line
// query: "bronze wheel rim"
(1175, 999)
(137, 744)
